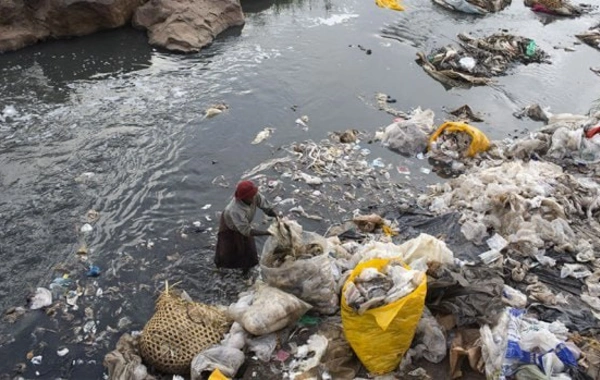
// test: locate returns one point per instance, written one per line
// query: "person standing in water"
(236, 247)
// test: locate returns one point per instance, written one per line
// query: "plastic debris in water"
(263, 135)
(212, 112)
(420, 156)
(403, 170)
(93, 271)
(86, 228)
(37, 360)
(378, 163)
(62, 352)
(197, 224)
(206, 207)
(425, 170)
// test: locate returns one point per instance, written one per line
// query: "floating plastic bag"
(311, 279)
(267, 310)
(390, 4)
(381, 336)
(217, 375)
(479, 141)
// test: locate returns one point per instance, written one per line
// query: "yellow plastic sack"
(381, 336)
(390, 4)
(479, 141)
(217, 375)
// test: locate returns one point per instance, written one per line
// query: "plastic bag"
(390, 4)
(227, 360)
(479, 141)
(432, 338)
(428, 247)
(409, 137)
(311, 279)
(263, 346)
(267, 310)
(381, 336)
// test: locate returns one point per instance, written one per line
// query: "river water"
(106, 122)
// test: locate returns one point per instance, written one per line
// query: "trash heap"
(477, 7)
(494, 271)
(562, 8)
(477, 60)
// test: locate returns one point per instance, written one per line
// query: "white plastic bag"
(263, 346)
(409, 137)
(227, 359)
(310, 279)
(267, 310)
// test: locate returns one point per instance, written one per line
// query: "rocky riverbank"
(179, 26)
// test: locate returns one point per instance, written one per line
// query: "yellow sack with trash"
(381, 336)
(390, 4)
(479, 141)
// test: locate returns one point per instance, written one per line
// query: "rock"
(25, 22)
(186, 26)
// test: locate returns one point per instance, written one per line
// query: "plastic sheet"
(390, 4)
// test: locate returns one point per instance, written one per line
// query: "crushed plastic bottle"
(531, 48)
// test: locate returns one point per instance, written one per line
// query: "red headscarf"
(245, 190)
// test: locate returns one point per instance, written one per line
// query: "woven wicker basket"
(178, 331)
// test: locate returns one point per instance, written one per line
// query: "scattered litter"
(456, 141)
(86, 228)
(425, 170)
(206, 207)
(92, 216)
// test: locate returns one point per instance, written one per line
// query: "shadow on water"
(53, 64)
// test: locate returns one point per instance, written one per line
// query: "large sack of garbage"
(178, 330)
(267, 309)
(298, 262)
(459, 139)
(382, 303)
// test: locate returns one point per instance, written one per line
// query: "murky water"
(107, 123)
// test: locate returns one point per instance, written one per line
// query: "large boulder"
(186, 26)
(24, 22)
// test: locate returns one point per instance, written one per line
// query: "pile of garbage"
(494, 271)
(477, 7)
(477, 60)
(558, 8)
